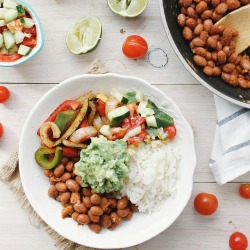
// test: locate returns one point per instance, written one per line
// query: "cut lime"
(128, 8)
(84, 35)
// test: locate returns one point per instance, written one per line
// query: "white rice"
(152, 175)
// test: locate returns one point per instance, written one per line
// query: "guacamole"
(103, 164)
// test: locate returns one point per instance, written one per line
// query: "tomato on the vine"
(238, 241)
(1, 130)
(245, 190)
(135, 47)
(4, 94)
(205, 203)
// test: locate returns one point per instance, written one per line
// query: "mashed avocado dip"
(103, 165)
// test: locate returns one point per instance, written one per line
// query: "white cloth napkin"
(230, 156)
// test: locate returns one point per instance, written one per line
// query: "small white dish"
(141, 227)
(40, 38)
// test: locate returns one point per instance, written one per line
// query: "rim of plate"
(189, 68)
(155, 231)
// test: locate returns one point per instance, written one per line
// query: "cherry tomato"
(4, 94)
(205, 203)
(1, 130)
(12, 58)
(245, 190)
(135, 47)
(171, 130)
(238, 241)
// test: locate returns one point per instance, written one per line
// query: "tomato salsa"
(18, 34)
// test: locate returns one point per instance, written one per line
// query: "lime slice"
(84, 35)
(128, 8)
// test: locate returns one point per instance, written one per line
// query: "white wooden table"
(55, 63)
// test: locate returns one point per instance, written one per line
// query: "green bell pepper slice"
(42, 159)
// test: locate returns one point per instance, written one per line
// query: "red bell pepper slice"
(171, 130)
(66, 105)
(84, 122)
(100, 107)
(7, 58)
(70, 152)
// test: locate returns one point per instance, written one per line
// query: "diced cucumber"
(23, 50)
(151, 105)
(105, 130)
(120, 97)
(118, 114)
(143, 110)
(19, 36)
(161, 134)
(1, 40)
(10, 15)
(151, 121)
(2, 11)
(27, 22)
(8, 39)
(20, 10)
(2, 23)
(153, 132)
(163, 119)
(131, 133)
(13, 50)
(4, 51)
(131, 96)
(10, 4)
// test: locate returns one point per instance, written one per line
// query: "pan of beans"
(208, 50)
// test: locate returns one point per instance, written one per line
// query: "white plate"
(142, 227)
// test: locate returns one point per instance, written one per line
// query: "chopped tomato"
(31, 30)
(117, 133)
(171, 130)
(135, 140)
(3, 28)
(133, 121)
(12, 58)
(30, 42)
(66, 105)
(84, 122)
(70, 152)
(101, 107)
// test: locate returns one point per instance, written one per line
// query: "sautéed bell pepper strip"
(70, 152)
(42, 157)
(75, 123)
(66, 105)
(101, 107)
(171, 131)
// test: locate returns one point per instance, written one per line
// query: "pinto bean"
(95, 199)
(95, 210)
(200, 51)
(105, 220)
(191, 12)
(222, 57)
(83, 219)
(70, 166)
(65, 197)
(65, 177)
(123, 212)
(186, 3)
(181, 20)
(233, 4)
(245, 65)
(191, 23)
(72, 185)
(74, 198)
(200, 7)
(95, 227)
(59, 170)
(61, 187)
(207, 14)
(203, 36)
(67, 211)
(229, 67)
(198, 29)
(211, 42)
(197, 42)
(93, 218)
(53, 192)
(208, 70)
(187, 33)
(216, 71)
(221, 8)
(207, 25)
(200, 61)
(80, 208)
(122, 203)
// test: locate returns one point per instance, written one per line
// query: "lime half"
(128, 8)
(84, 35)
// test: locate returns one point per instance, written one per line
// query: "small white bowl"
(40, 38)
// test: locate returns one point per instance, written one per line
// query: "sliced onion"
(45, 132)
(83, 134)
(111, 104)
(97, 122)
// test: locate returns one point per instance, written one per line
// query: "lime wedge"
(84, 35)
(128, 8)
